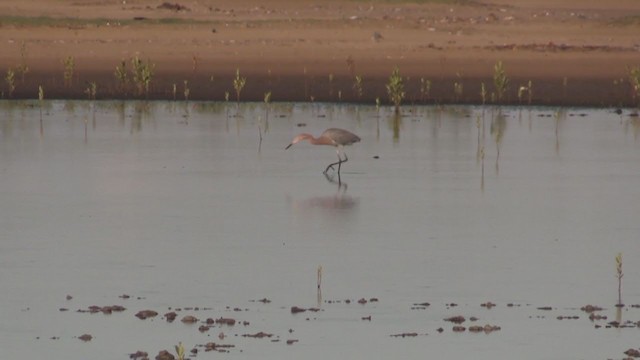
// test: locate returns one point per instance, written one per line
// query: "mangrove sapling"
(458, 87)
(239, 83)
(500, 80)
(142, 75)
(40, 101)
(91, 90)
(425, 89)
(267, 100)
(186, 90)
(524, 89)
(11, 81)
(180, 351)
(634, 80)
(483, 93)
(395, 89)
(69, 68)
(357, 86)
(619, 275)
(121, 76)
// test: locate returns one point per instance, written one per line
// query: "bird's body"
(334, 137)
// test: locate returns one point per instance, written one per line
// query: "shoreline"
(577, 54)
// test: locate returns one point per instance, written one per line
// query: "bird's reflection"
(338, 201)
(332, 179)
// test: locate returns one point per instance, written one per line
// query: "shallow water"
(181, 205)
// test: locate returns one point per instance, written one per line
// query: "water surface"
(199, 205)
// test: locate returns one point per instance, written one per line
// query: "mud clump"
(632, 353)
(488, 305)
(165, 355)
(170, 316)
(145, 314)
(296, 310)
(211, 346)
(189, 319)
(139, 355)
(405, 334)
(85, 337)
(420, 306)
(486, 329)
(93, 309)
(456, 319)
(258, 335)
(591, 308)
(226, 321)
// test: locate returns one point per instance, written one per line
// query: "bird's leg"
(335, 163)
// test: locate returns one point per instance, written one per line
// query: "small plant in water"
(238, 84)
(91, 90)
(458, 87)
(11, 81)
(69, 67)
(40, 98)
(425, 89)
(619, 275)
(121, 75)
(525, 89)
(186, 91)
(634, 80)
(395, 89)
(357, 86)
(483, 93)
(142, 74)
(500, 80)
(179, 351)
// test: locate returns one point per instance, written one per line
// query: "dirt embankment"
(579, 52)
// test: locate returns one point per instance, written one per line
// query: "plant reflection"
(396, 123)
(498, 128)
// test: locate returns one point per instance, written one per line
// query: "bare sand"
(574, 52)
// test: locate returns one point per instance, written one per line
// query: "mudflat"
(570, 52)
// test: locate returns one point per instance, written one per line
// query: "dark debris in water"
(139, 355)
(85, 337)
(456, 319)
(145, 314)
(93, 309)
(405, 334)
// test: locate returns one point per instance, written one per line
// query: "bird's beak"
(288, 146)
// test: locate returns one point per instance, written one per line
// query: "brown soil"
(574, 52)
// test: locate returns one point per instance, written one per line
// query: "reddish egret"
(334, 137)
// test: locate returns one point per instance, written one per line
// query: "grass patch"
(629, 20)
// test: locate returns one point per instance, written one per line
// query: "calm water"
(181, 205)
